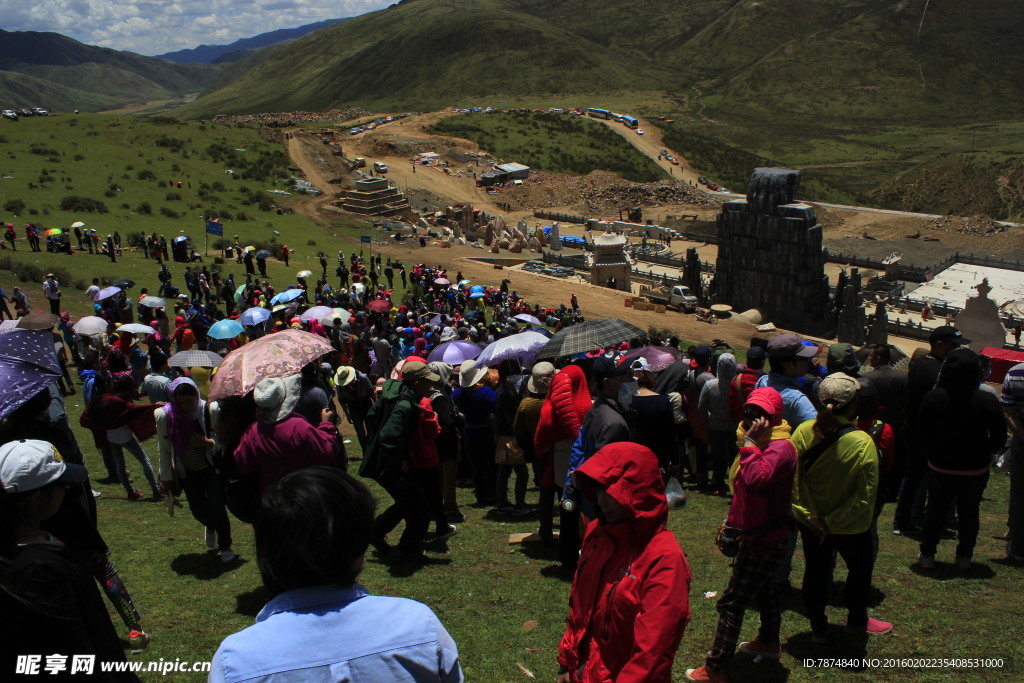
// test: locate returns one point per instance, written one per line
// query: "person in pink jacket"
(762, 495)
(279, 441)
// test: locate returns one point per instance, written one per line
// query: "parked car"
(24, 112)
(664, 153)
(39, 111)
(702, 180)
(10, 114)
(639, 131)
(675, 162)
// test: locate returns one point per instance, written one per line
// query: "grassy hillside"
(69, 75)
(557, 143)
(116, 173)
(424, 55)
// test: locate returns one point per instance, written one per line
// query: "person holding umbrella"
(284, 254)
(261, 262)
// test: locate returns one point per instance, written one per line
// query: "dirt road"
(650, 144)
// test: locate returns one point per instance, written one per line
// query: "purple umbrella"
(527, 318)
(658, 357)
(28, 364)
(522, 346)
(454, 352)
(106, 293)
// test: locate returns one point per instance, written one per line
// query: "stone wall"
(770, 256)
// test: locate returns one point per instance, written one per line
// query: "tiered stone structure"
(374, 197)
(770, 255)
(609, 264)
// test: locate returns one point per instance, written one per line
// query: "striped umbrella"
(590, 335)
(194, 358)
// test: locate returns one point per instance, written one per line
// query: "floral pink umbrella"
(276, 355)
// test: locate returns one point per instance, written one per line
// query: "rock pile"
(980, 225)
(294, 118)
(649, 195)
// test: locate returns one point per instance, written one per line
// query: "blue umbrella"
(463, 283)
(477, 288)
(477, 295)
(226, 329)
(454, 352)
(106, 293)
(286, 296)
(527, 318)
(254, 316)
(180, 238)
(28, 364)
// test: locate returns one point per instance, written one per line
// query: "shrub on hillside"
(146, 174)
(144, 208)
(15, 206)
(78, 204)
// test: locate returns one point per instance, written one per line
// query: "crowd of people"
(806, 445)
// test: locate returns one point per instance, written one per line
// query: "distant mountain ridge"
(217, 54)
(855, 59)
(59, 73)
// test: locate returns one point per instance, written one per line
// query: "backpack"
(241, 491)
(376, 465)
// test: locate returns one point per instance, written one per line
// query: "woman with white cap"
(48, 598)
(279, 441)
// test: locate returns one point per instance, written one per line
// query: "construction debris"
(980, 225)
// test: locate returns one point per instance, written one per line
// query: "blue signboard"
(365, 239)
(214, 228)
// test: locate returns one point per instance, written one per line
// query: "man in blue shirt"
(788, 358)
(321, 626)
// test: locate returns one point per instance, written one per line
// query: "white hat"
(278, 396)
(31, 464)
(470, 373)
(540, 378)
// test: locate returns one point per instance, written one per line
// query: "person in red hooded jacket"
(630, 599)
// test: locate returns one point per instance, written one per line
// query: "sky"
(157, 26)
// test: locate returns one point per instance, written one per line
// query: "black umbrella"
(262, 253)
(590, 335)
(123, 283)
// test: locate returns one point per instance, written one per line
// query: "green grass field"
(556, 143)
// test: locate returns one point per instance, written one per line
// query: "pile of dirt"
(602, 191)
(386, 145)
(980, 225)
(295, 118)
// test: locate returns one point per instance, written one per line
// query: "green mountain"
(52, 71)
(846, 59)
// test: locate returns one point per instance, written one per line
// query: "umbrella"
(454, 352)
(463, 283)
(442, 281)
(180, 238)
(286, 296)
(28, 364)
(152, 302)
(262, 253)
(316, 313)
(37, 321)
(477, 295)
(52, 231)
(8, 326)
(254, 316)
(380, 305)
(123, 283)
(106, 293)
(275, 355)
(239, 292)
(303, 274)
(516, 346)
(136, 328)
(194, 358)
(78, 224)
(90, 324)
(249, 248)
(658, 357)
(226, 329)
(527, 318)
(589, 335)
(476, 288)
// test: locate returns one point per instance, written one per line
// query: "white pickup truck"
(678, 296)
